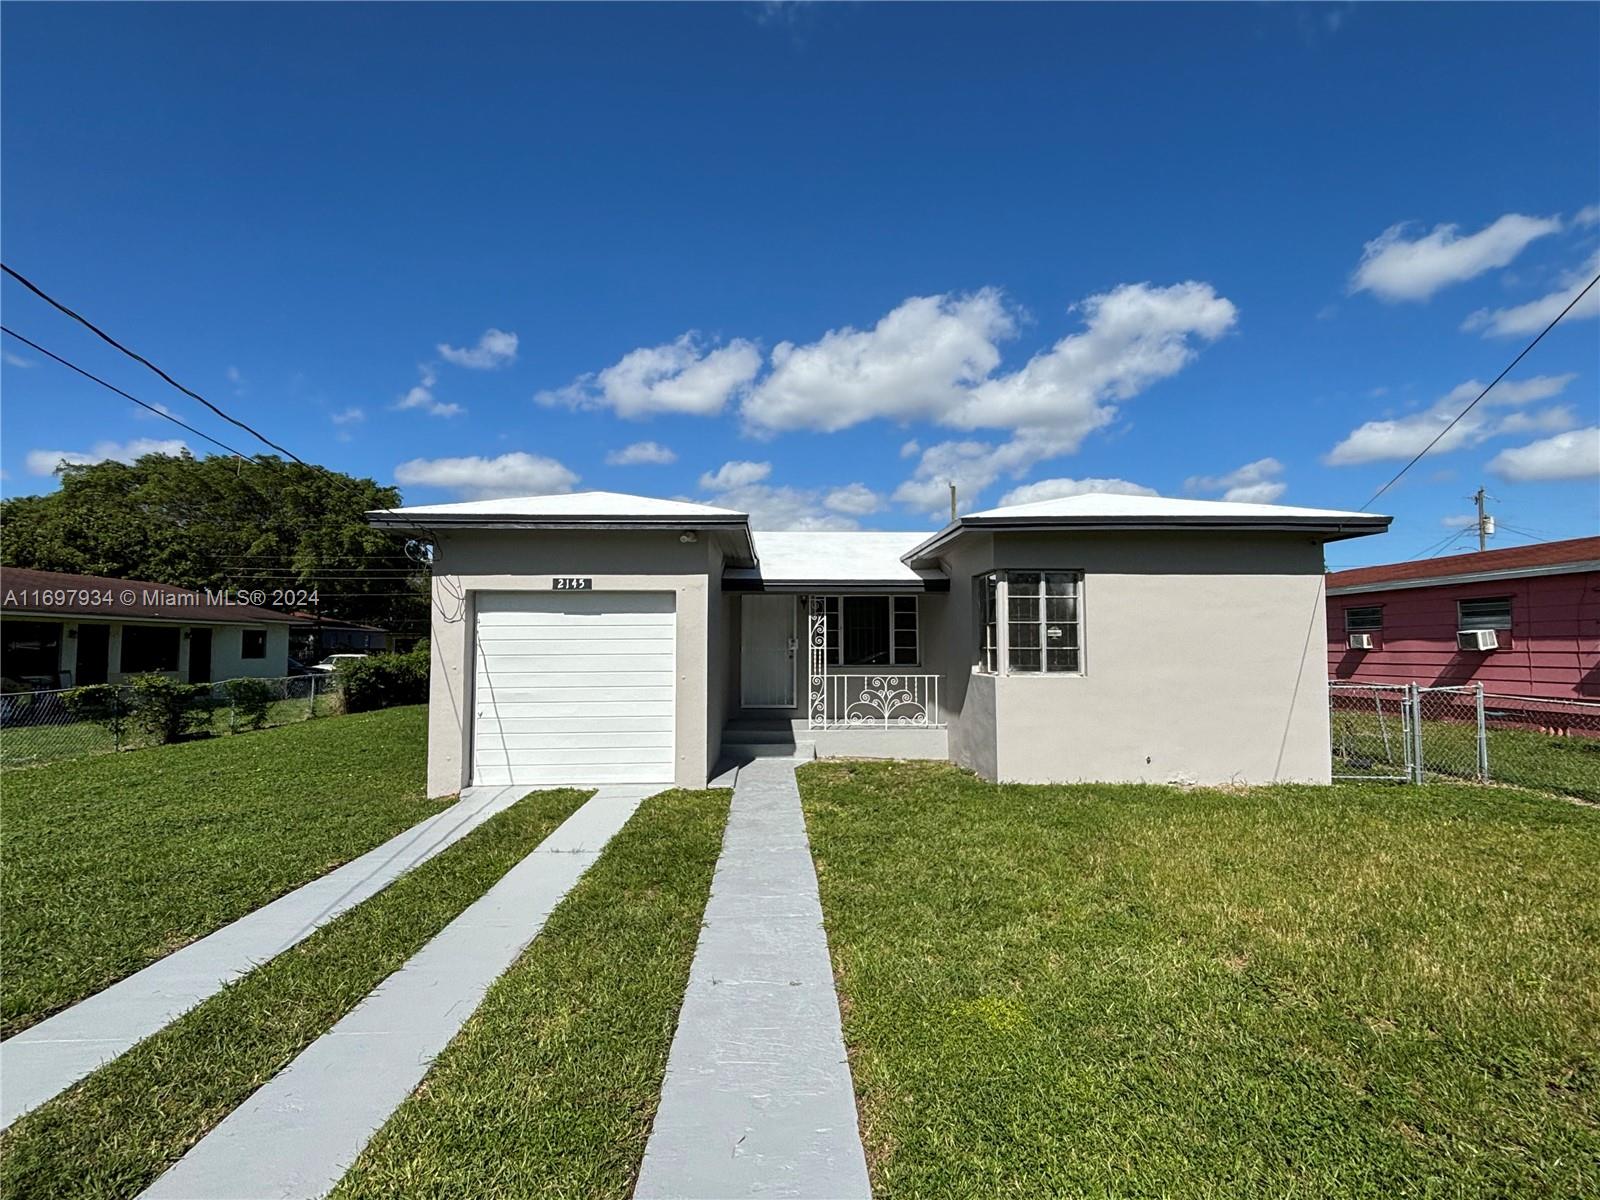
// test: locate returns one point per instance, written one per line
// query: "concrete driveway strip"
(758, 1099)
(295, 1137)
(50, 1057)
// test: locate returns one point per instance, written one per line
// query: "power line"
(1481, 394)
(139, 358)
(113, 387)
(453, 591)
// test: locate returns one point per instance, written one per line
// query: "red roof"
(56, 594)
(1513, 558)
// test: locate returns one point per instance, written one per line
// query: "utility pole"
(1485, 521)
(952, 501)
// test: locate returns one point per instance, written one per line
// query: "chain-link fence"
(1410, 733)
(47, 726)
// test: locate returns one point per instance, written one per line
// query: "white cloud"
(972, 466)
(735, 474)
(1574, 455)
(47, 462)
(917, 361)
(1547, 420)
(853, 500)
(1402, 437)
(934, 357)
(1057, 489)
(910, 449)
(15, 360)
(743, 486)
(678, 377)
(1254, 483)
(348, 416)
(496, 348)
(641, 452)
(478, 478)
(422, 397)
(1586, 216)
(1395, 268)
(1536, 314)
(1459, 521)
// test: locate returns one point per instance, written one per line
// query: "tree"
(223, 522)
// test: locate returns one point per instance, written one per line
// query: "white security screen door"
(766, 651)
(574, 687)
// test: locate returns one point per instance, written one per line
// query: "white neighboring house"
(597, 638)
(62, 630)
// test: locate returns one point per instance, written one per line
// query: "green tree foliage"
(222, 522)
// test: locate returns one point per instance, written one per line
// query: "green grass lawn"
(114, 861)
(1363, 991)
(114, 1133)
(550, 1089)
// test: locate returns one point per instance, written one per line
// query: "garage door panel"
(511, 701)
(582, 662)
(542, 605)
(579, 739)
(574, 688)
(566, 721)
(561, 775)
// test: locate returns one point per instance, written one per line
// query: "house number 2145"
(571, 583)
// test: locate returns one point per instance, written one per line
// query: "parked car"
(330, 664)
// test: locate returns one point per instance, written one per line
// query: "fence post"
(1418, 770)
(311, 706)
(1483, 740)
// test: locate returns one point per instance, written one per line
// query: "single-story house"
(60, 630)
(1523, 621)
(603, 638)
(314, 636)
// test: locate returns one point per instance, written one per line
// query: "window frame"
(833, 614)
(993, 635)
(244, 644)
(1376, 627)
(1462, 620)
(140, 630)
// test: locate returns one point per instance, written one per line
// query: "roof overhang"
(747, 579)
(1432, 581)
(1324, 529)
(735, 526)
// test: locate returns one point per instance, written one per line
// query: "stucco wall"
(227, 644)
(618, 561)
(1204, 661)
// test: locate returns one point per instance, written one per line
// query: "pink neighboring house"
(1541, 602)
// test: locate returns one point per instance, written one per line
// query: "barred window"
(869, 631)
(149, 648)
(1041, 632)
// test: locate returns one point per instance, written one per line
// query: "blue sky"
(824, 258)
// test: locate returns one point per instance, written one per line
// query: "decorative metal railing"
(870, 700)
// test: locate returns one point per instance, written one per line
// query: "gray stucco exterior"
(1202, 653)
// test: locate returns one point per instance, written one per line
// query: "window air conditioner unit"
(1477, 639)
(1361, 641)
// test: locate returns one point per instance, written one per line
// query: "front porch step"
(755, 734)
(789, 747)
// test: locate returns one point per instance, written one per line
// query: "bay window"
(1030, 623)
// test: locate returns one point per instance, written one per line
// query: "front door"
(199, 655)
(766, 651)
(94, 653)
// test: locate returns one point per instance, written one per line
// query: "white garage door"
(574, 687)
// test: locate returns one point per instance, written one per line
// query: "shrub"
(384, 680)
(166, 709)
(251, 698)
(101, 703)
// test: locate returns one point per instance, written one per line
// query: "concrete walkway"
(300, 1132)
(757, 1099)
(50, 1057)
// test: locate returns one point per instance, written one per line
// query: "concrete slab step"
(749, 750)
